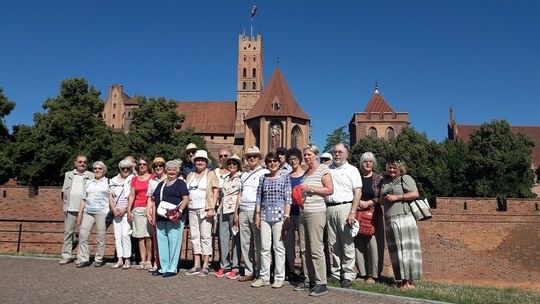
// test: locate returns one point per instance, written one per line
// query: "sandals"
(144, 266)
(117, 265)
(127, 265)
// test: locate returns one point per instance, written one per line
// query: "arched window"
(245, 58)
(372, 132)
(390, 133)
(244, 72)
(254, 72)
(296, 137)
(254, 59)
(254, 85)
(244, 86)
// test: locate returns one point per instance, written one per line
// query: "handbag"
(164, 208)
(420, 208)
(366, 219)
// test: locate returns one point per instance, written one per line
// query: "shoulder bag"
(420, 208)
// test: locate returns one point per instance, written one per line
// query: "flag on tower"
(253, 11)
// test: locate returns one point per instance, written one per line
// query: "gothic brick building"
(377, 120)
(268, 117)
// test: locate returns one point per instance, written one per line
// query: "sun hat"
(253, 150)
(327, 155)
(158, 160)
(237, 159)
(190, 146)
(201, 154)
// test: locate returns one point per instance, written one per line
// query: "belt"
(337, 204)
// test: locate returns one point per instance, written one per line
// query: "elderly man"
(244, 217)
(189, 164)
(340, 215)
(73, 190)
(326, 158)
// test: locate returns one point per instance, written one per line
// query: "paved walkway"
(37, 280)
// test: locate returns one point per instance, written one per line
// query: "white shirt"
(197, 192)
(96, 196)
(76, 192)
(345, 179)
(250, 183)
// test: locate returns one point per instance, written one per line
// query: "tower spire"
(376, 87)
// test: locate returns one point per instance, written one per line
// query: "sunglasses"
(252, 156)
(97, 168)
(190, 152)
(125, 169)
(224, 155)
(142, 164)
(158, 166)
(82, 162)
(272, 161)
(232, 164)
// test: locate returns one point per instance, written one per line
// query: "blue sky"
(480, 57)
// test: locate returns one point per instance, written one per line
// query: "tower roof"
(277, 93)
(378, 104)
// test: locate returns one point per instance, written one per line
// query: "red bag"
(298, 196)
(366, 219)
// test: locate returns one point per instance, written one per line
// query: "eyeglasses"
(232, 164)
(81, 162)
(268, 161)
(325, 159)
(224, 155)
(252, 156)
(142, 164)
(125, 169)
(293, 159)
(158, 166)
(97, 168)
(190, 152)
(338, 152)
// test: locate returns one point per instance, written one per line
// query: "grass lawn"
(453, 293)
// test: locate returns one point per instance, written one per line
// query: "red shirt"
(141, 188)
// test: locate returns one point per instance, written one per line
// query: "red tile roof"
(277, 90)
(130, 101)
(464, 133)
(378, 104)
(208, 117)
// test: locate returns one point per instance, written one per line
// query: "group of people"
(259, 206)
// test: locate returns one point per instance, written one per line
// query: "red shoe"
(233, 275)
(220, 273)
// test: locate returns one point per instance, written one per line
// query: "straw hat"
(201, 154)
(253, 150)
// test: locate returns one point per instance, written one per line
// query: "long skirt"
(404, 247)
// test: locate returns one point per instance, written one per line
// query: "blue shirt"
(272, 195)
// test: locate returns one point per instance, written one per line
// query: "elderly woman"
(137, 212)
(119, 189)
(229, 259)
(203, 186)
(294, 158)
(272, 210)
(170, 225)
(158, 168)
(397, 190)
(370, 249)
(93, 209)
(316, 184)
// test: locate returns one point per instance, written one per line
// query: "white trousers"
(122, 236)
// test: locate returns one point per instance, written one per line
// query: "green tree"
(154, 131)
(500, 161)
(380, 147)
(338, 135)
(70, 125)
(455, 154)
(6, 168)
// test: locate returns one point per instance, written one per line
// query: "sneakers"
(65, 261)
(193, 271)
(259, 282)
(304, 286)
(318, 290)
(221, 273)
(346, 283)
(99, 263)
(332, 280)
(83, 264)
(232, 275)
(277, 284)
(246, 278)
(204, 272)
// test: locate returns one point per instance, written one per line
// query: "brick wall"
(467, 241)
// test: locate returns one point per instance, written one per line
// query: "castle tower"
(118, 108)
(249, 80)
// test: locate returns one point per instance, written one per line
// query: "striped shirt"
(314, 202)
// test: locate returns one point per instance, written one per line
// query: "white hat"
(201, 154)
(327, 155)
(253, 150)
(190, 146)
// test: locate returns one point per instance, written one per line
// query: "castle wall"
(468, 241)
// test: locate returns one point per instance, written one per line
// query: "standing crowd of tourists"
(260, 206)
